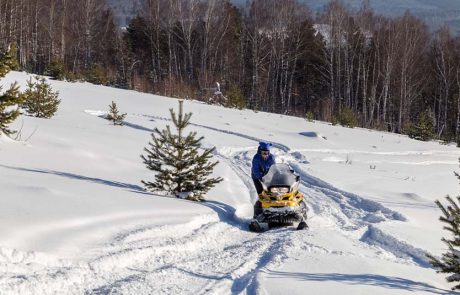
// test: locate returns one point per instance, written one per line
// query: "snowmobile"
(280, 203)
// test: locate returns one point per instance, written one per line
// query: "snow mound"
(300, 157)
(333, 159)
(313, 134)
(309, 134)
(5, 138)
(352, 205)
(22, 258)
(96, 113)
(376, 237)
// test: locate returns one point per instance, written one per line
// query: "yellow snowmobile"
(280, 203)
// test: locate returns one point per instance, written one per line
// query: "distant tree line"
(271, 55)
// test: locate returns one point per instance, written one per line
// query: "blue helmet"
(264, 146)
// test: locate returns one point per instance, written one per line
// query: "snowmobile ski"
(256, 226)
(302, 225)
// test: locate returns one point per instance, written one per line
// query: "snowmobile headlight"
(279, 190)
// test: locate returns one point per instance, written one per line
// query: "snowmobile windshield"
(279, 175)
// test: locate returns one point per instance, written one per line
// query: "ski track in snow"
(214, 253)
(204, 255)
(349, 212)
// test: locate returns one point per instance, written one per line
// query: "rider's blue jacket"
(260, 166)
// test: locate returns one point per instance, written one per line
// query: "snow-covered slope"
(75, 219)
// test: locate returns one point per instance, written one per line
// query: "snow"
(76, 220)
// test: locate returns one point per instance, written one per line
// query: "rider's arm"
(255, 170)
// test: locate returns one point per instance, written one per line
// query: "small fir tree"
(176, 158)
(235, 98)
(8, 108)
(310, 116)
(423, 129)
(56, 69)
(114, 115)
(8, 61)
(346, 117)
(9, 100)
(449, 263)
(97, 74)
(39, 99)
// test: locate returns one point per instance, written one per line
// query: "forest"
(354, 68)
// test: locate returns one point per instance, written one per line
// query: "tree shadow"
(226, 214)
(136, 126)
(131, 125)
(131, 187)
(363, 279)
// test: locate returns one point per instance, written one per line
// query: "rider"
(261, 163)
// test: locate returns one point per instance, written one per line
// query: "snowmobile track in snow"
(347, 210)
(204, 255)
(214, 253)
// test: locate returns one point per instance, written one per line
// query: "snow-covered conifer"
(114, 115)
(39, 99)
(9, 100)
(177, 161)
(449, 263)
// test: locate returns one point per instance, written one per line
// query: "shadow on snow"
(138, 127)
(364, 279)
(226, 214)
(131, 187)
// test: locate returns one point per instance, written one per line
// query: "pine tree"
(11, 97)
(449, 263)
(424, 128)
(8, 61)
(310, 116)
(347, 118)
(114, 115)
(56, 69)
(235, 98)
(39, 99)
(176, 159)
